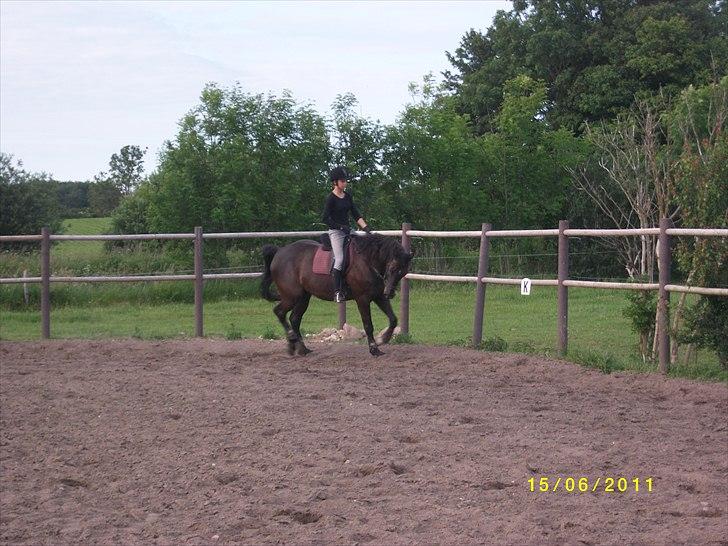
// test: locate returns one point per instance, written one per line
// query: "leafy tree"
(594, 55)
(27, 201)
(526, 161)
(698, 121)
(358, 143)
(126, 168)
(431, 164)
(641, 311)
(242, 162)
(103, 197)
(125, 174)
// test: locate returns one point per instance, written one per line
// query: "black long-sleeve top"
(337, 210)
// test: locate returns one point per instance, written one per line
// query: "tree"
(242, 162)
(126, 169)
(358, 144)
(526, 160)
(629, 179)
(103, 196)
(698, 121)
(430, 162)
(594, 55)
(27, 201)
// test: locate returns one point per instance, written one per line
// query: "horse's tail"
(268, 252)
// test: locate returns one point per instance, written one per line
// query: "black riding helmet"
(339, 173)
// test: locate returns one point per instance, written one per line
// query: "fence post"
(342, 314)
(563, 291)
(480, 286)
(26, 294)
(404, 292)
(199, 285)
(663, 303)
(45, 285)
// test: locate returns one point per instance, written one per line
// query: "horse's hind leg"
(296, 315)
(281, 310)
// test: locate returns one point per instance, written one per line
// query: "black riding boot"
(339, 295)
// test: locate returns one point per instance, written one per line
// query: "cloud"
(79, 80)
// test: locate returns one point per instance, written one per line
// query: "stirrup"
(339, 297)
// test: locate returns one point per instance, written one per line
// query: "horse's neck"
(373, 261)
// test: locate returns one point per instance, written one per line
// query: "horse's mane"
(378, 248)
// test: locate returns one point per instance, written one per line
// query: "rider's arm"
(358, 217)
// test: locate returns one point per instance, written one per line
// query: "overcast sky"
(79, 80)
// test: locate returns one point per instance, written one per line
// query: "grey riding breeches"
(337, 246)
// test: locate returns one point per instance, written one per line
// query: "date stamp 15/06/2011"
(581, 484)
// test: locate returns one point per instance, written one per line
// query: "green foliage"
(402, 339)
(641, 311)
(707, 325)
(233, 332)
(525, 163)
(604, 362)
(126, 168)
(124, 176)
(270, 333)
(431, 161)
(594, 56)
(241, 163)
(130, 217)
(494, 344)
(103, 197)
(73, 199)
(28, 201)
(698, 121)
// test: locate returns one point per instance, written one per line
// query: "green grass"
(440, 313)
(80, 250)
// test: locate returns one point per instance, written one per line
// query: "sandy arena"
(222, 442)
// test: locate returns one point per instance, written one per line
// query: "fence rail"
(664, 233)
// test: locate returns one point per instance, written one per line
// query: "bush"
(641, 311)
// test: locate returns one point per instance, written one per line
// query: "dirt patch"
(205, 441)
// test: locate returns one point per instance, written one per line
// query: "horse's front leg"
(386, 306)
(366, 318)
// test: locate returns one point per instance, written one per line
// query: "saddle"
(323, 260)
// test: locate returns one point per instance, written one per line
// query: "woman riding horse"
(339, 205)
(376, 267)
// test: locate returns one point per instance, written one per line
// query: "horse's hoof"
(303, 350)
(291, 348)
(374, 350)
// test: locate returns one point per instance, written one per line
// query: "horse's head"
(397, 267)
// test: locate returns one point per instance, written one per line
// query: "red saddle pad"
(322, 261)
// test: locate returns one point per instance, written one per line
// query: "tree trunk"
(654, 338)
(677, 320)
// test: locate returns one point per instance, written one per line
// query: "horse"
(376, 266)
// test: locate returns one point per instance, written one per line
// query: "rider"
(339, 205)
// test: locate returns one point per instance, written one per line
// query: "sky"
(80, 80)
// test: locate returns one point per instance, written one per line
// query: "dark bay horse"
(377, 265)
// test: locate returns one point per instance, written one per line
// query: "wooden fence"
(485, 234)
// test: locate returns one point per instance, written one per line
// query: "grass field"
(440, 313)
(82, 249)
